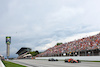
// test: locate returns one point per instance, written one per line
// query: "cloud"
(64, 13)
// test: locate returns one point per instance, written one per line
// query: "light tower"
(8, 42)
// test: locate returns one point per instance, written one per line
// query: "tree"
(34, 53)
(59, 44)
(37, 51)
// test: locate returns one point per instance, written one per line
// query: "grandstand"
(88, 46)
(24, 52)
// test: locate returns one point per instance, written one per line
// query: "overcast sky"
(40, 24)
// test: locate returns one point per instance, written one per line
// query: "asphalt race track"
(46, 63)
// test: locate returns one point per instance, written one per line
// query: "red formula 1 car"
(72, 60)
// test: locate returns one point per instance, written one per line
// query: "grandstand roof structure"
(23, 50)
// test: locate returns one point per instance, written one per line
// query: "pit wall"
(86, 58)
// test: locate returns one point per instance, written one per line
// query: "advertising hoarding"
(8, 40)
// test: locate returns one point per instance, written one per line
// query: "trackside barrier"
(87, 58)
(1, 64)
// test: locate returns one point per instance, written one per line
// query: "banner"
(8, 40)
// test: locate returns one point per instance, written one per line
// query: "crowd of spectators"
(87, 43)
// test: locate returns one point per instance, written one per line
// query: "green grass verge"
(10, 64)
